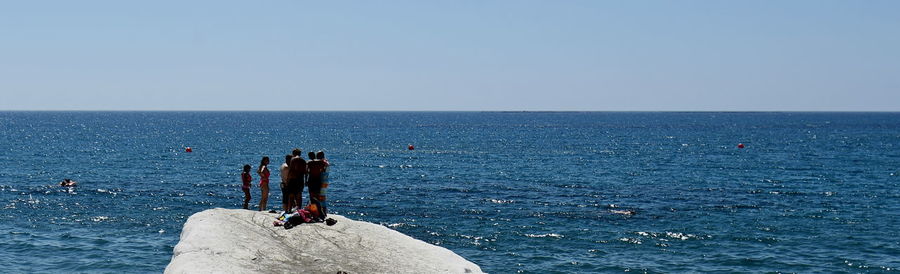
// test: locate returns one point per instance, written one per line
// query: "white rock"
(244, 241)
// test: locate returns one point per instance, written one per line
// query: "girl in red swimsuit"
(263, 172)
(246, 179)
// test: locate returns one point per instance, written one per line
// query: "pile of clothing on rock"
(309, 214)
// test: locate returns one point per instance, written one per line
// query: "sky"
(569, 55)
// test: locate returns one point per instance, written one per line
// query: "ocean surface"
(528, 192)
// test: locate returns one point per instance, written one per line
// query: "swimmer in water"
(68, 182)
(627, 212)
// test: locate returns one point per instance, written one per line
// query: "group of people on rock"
(296, 174)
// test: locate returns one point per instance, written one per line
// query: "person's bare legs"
(290, 202)
(284, 198)
(298, 198)
(246, 198)
(264, 199)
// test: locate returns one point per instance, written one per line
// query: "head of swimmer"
(246, 168)
(312, 155)
(287, 159)
(296, 152)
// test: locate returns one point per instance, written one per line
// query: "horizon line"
(369, 110)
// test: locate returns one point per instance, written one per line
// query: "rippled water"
(529, 192)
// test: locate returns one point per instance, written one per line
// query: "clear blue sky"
(814, 55)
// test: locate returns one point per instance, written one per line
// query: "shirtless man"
(314, 175)
(285, 201)
(296, 178)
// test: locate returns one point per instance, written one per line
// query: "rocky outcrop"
(243, 241)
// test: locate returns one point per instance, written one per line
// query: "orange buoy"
(411, 147)
(188, 149)
(740, 145)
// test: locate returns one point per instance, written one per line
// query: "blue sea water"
(511, 191)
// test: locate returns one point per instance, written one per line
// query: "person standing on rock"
(316, 169)
(245, 180)
(296, 178)
(285, 202)
(263, 172)
(324, 192)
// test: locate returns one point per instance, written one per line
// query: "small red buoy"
(188, 149)
(411, 147)
(740, 145)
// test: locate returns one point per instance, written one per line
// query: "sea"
(514, 192)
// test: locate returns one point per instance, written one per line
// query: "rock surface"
(243, 241)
